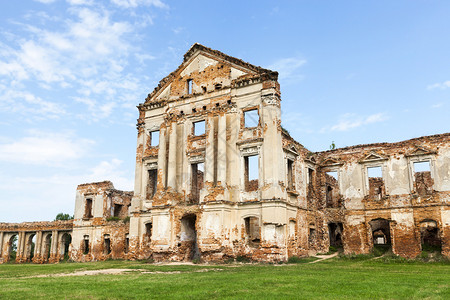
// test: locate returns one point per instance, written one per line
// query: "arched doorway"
(66, 239)
(381, 235)
(30, 247)
(430, 236)
(188, 238)
(12, 247)
(335, 231)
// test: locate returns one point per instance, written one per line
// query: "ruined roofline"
(386, 144)
(192, 50)
(28, 224)
(104, 182)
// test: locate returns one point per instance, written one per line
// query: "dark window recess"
(290, 174)
(251, 170)
(118, 210)
(152, 183)
(252, 231)
(251, 118)
(197, 181)
(148, 231)
(86, 244)
(107, 244)
(88, 208)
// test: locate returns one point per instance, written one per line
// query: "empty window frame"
(127, 243)
(251, 172)
(154, 138)
(376, 182)
(197, 179)
(290, 174)
(252, 231)
(152, 183)
(148, 231)
(88, 208)
(106, 244)
(199, 128)
(86, 244)
(118, 210)
(251, 118)
(423, 182)
(331, 189)
(189, 84)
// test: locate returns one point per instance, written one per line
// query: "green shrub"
(126, 219)
(243, 259)
(111, 219)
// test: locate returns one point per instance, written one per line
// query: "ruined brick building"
(218, 177)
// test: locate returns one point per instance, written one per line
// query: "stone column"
(54, 246)
(162, 158)
(20, 246)
(172, 163)
(209, 151)
(222, 150)
(38, 245)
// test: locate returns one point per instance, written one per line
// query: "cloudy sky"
(73, 71)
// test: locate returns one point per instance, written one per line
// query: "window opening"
(189, 86)
(188, 238)
(251, 170)
(118, 210)
(127, 243)
(199, 128)
(154, 138)
(376, 183)
(251, 118)
(332, 197)
(290, 174)
(88, 208)
(152, 183)
(198, 171)
(252, 231)
(86, 244)
(422, 178)
(107, 244)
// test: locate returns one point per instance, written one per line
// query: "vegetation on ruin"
(345, 277)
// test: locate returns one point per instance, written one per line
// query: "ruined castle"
(217, 177)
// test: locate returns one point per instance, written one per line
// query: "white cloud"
(437, 105)
(111, 170)
(350, 121)
(45, 148)
(136, 3)
(45, 1)
(288, 68)
(80, 2)
(440, 85)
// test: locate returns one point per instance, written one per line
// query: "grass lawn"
(335, 279)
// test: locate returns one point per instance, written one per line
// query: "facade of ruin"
(217, 177)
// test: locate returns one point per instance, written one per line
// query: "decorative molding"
(271, 99)
(420, 151)
(373, 157)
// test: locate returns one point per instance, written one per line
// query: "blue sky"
(73, 71)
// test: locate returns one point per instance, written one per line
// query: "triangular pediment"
(331, 162)
(419, 151)
(373, 156)
(207, 69)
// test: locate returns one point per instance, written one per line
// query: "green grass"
(340, 278)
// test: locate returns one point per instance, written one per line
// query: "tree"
(63, 217)
(333, 145)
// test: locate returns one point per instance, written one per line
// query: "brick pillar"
(222, 150)
(172, 163)
(37, 247)
(20, 247)
(1, 244)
